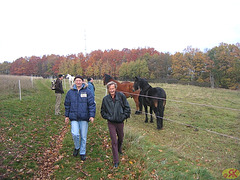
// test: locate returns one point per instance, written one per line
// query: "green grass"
(33, 138)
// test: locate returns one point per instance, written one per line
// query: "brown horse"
(126, 88)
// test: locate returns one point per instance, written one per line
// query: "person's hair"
(111, 83)
(60, 75)
(89, 79)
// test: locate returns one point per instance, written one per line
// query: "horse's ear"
(136, 77)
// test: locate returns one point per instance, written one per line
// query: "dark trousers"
(116, 130)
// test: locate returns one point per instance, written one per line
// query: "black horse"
(153, 97)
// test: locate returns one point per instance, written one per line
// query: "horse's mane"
(108, 78)
(125, 82)
(143, 84)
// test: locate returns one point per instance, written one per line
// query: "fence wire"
(188, 125)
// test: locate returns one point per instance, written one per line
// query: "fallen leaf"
(56, 167)
(109, 176)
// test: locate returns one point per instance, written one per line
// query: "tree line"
(219, 66)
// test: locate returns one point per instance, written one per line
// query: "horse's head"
(136, 83)
(106, 78)
(67, 76)
(140, 83)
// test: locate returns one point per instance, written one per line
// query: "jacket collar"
(84, 86)
(117, 95)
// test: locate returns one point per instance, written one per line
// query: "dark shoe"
(116, 165)
(75, 152)
(83, 157)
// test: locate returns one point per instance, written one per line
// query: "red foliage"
(48, 65)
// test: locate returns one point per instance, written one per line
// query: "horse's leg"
(156, 111)
(146, 113)
(140, 100)
(159, 114)
(151, 111)
(136, 100)
(140, 104)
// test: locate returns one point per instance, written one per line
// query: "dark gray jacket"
(59, 88)
(115, 111)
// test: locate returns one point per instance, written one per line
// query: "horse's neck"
(118, 83)
(146, 87)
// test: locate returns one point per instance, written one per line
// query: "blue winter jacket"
(91, 87)
(79, 105)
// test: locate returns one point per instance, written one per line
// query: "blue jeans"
(79, 130)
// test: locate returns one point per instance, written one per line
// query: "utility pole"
(85, 40)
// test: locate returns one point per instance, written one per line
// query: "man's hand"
(91, 119)
(66, 120)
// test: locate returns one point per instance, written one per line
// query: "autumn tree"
(199, 66)
(220, 65)
(124, 71)
(71, 65)
(78, 67)
(96, 73)
(19, 66)
(196, 61)
(5, 67)
(225, 68)
(180, 69)
(106, 69)
(134, 68)
(90, 71)
(63, 66)
(159, 65)
(32, 66)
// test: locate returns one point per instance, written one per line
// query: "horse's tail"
(161, 107)
(161, 102)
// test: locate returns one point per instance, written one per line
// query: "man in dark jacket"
(115, 109)
(80, 108)
(58, 92)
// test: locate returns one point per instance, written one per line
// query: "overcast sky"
(62, 27)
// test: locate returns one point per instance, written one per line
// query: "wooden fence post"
(20, 94)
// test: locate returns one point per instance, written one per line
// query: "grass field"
(37, 144)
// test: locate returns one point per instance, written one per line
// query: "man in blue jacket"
(80, 108)
(91, 85)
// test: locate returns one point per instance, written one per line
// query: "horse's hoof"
(146, 121)
(151, 121)
(159, 128)
(137, 112)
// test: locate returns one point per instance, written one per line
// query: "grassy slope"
(29, 128)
